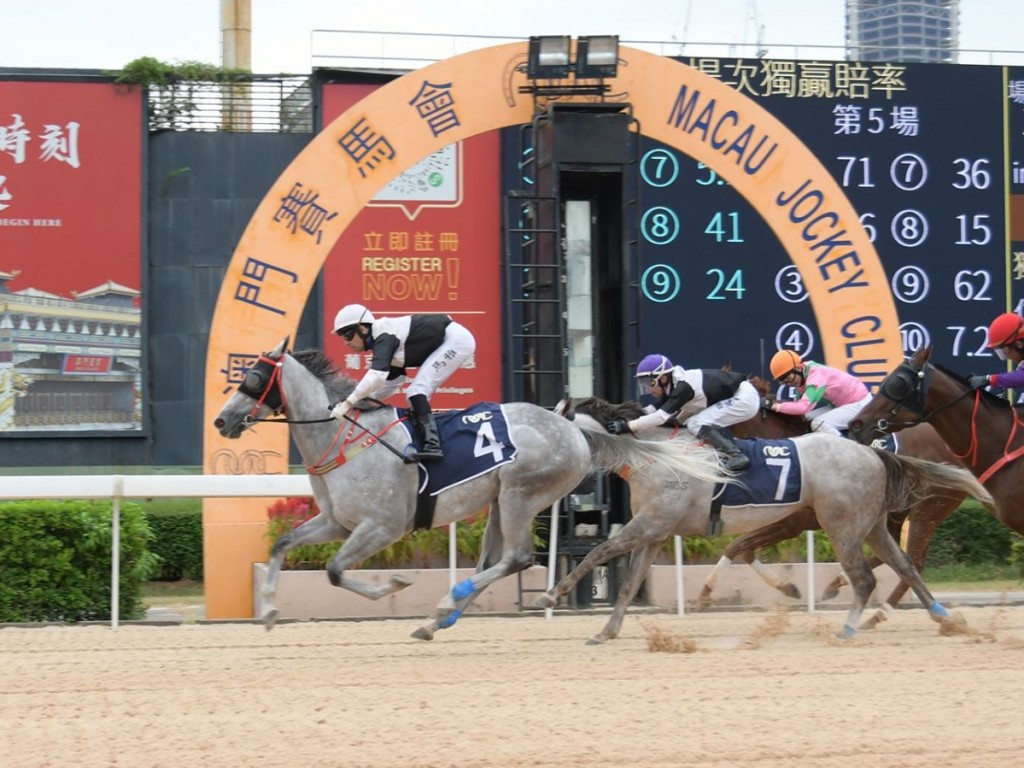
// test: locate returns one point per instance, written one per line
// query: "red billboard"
(428, 242)
(70, 256)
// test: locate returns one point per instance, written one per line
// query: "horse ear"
(281, 348)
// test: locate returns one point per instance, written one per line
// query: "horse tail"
(909, 480)
(625, 455)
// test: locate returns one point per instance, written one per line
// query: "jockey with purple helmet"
(704, 399)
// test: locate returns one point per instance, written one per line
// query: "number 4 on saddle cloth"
(476, 441)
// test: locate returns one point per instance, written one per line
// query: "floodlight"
(597, 56)
(548, 58)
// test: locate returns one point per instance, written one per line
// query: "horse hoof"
(544, 601)
(423, 634)
(830, 591)
(790, 590)
(595, 640)
(270, 619)
(846, 632)
(873, 622)
(398, 581)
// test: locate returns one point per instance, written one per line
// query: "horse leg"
(924, 520)
(451, 608)
(629, 538)
(639, 564)
(368, 538)
(886, 548)
(317, 530)
(851, 556)
(744, 549)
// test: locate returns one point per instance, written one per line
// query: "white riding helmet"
(350, 315)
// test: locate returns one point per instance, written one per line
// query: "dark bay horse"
(984, 431)
(367, 492)
(849, 486)
(920, 441)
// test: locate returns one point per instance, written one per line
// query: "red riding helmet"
(1005, 329)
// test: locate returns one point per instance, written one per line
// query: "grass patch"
(984, 576)
(161, 593)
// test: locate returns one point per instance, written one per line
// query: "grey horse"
(367, 492)
(850, 487)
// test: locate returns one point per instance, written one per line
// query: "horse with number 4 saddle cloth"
(518, 460)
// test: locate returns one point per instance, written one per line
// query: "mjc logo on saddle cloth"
(775, 476)
(476, 441)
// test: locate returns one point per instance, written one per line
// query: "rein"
(353, 432)
(970, 456)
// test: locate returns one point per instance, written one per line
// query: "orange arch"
(283, 248)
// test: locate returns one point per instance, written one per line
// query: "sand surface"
(773, 690)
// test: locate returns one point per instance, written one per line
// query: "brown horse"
(920, 441)
(984, 431)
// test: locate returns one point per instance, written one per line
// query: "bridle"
(907, 388)
(262, 383)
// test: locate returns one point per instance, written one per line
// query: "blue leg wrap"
(463, 589)
(847, 632)
(448, 620)
(937, 611)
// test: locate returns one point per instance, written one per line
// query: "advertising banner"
(70, 257)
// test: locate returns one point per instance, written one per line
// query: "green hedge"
(55, 559)
(177, 526)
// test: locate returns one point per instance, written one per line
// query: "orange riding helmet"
(1005, 329)
(784, 362)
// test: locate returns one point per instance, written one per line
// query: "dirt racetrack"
(773, 690)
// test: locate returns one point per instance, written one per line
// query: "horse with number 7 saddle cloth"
(774, 477)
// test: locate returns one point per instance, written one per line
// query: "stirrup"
(736, 462)
(428, 454)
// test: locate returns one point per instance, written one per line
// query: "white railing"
(117, 487)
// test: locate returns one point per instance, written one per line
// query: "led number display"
(931, 157)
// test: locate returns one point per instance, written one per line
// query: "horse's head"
(259, 391)
(901, 400)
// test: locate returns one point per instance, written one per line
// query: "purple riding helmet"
(651, 367)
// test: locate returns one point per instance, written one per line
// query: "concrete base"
(309, 595)
(740, 586)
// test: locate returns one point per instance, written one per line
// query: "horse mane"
(996, 401)
(603, 411)
(338, 385)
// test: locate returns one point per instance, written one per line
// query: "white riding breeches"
(835, 420)
(457, 347)
(741, 406)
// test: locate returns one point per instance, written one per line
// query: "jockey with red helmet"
(829, 397)
(703, 399)
(1006, 339)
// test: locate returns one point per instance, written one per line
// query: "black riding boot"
(427, 429)
(735, 461)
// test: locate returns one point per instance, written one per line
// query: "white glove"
(338, 412)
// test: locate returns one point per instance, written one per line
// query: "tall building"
(902, 30)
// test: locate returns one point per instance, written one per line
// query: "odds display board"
(930, 156)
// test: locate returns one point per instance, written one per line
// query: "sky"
(107, 34)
